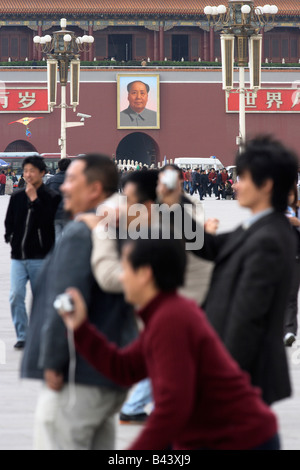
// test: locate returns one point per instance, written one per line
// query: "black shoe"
(19, 345)
(133, 419)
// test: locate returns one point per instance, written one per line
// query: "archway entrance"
(138, 147)
(20, 146)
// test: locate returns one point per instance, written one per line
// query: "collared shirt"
(254, 218)
(147, 118)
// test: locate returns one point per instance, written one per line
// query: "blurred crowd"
(125, 298)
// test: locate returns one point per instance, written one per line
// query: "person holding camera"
(202, 398)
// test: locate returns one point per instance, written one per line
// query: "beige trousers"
(77, 418)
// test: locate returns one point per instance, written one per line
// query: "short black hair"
(266, 158)
(101, 168)
(35, 160)
(166, 257)
(63, 163)
(140, 81)
(146, 182)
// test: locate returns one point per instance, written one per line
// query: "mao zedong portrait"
(137, 115)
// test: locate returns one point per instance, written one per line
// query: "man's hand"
(294, 221)
(74, 319)
(53, 379)
(211, 226)
(108, 215)
(31, 192)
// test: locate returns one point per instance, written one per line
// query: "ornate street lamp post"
(63, 50)
(241, 23)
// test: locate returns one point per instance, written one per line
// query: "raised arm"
(124, 366)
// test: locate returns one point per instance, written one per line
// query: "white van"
(231, 168)
(202, 163)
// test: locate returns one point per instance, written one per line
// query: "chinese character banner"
(21, 100)
(266, 100)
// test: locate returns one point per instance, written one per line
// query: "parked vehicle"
(203, 163)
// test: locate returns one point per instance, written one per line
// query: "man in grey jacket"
(77, 415)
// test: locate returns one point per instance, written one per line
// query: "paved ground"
(18, 397)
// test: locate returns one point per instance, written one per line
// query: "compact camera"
(63, 302)
(170, 178)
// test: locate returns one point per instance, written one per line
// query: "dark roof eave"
(283, 15)
(57, 16)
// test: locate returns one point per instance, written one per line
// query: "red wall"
(193, 123)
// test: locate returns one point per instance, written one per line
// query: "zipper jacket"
(29, 225)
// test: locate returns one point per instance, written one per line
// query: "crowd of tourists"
(197, 323)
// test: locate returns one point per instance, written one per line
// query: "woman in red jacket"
(2, 183)
(202, 398)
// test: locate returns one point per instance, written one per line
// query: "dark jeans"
(221, 193)
(188, 186)
(214, 188)
(194, 189)
(2, 189)
(201, 192)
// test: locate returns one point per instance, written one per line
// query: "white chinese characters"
(250, 99)
(26, 100)
(274, 97)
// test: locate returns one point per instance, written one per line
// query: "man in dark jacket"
(29, 228)
(207, 186)
(203, 184)
(254, 267)
(196, 182)
(89, 422)
(55, 182)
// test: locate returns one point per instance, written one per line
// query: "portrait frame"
(125, 115)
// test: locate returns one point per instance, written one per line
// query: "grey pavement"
(18, 397)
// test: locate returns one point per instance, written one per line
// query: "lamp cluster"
(63, 41)
(67, 38)
(245, 9)
(241, 41)
(241, 14)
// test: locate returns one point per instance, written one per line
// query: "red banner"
(266, 100)
(23, 100)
